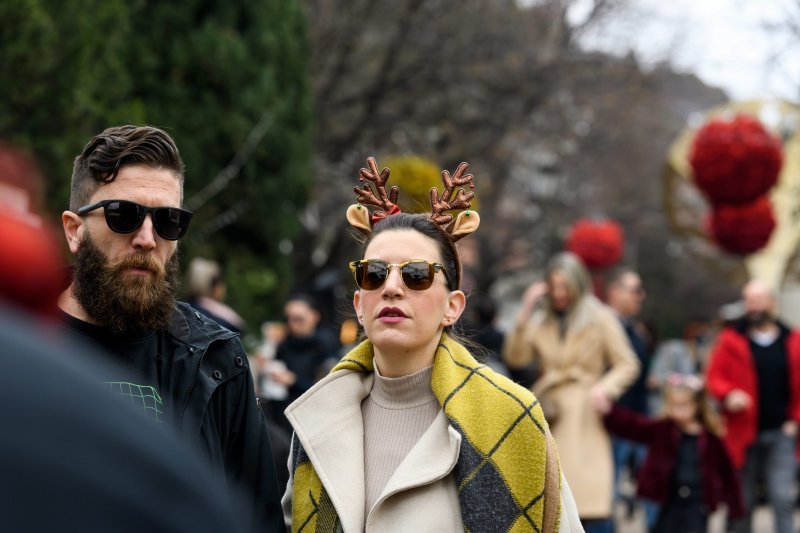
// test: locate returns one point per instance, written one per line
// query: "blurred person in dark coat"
(625, 295)
(304, 352)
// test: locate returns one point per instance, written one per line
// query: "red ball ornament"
(742, 229)
(599, 243)
(735, 161)
(32, 273)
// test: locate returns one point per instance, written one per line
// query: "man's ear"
(456, 302)
(73, 230)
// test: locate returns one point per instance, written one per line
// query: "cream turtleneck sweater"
(396, 414)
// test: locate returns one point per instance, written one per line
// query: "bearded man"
(178, 366)
(754, 372)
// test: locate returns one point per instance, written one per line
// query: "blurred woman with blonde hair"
(585, 362)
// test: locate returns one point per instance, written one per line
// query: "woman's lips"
(391, 315)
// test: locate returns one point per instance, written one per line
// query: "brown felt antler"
(467, 221)
(440, 205)
(386, 203)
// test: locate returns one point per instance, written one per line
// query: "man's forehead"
(757, 289)
(631, 278)
(142, 181)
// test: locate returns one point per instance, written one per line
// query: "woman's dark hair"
(424, 225)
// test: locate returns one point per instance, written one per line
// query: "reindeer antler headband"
(451, 198)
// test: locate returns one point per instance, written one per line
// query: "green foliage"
(207, 72)
(62, 78)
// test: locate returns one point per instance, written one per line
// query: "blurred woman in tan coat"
(585, 362)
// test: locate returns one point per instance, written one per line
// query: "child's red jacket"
(720, 480)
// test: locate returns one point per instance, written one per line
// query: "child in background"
(687, 469)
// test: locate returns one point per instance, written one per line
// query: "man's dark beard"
(121, 301)
(757, 319)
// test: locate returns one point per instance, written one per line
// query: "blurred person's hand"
(530, 298)
(287, 378)
(790, 428)
(261, 363)
(600, 400)
(737, 400)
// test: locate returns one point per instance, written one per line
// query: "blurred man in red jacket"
(754, 372)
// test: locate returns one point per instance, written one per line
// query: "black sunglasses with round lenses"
(417, 274)
(124, 216)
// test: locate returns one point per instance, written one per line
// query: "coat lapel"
(432, 458)
(327, 420)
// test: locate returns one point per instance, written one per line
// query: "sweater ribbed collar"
(404, 392)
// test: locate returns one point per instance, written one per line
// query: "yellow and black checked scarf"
(507, 472)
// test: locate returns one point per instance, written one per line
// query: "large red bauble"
(599, 243)
(32, 271)
(742, 229)
(735, 161)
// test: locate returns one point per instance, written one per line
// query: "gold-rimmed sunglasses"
(417, 274)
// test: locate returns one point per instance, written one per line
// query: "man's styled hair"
(117, 147)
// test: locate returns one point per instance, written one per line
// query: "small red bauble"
(735, 161)
(599, 243)
(742, 229)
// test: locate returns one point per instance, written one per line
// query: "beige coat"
(595, 350)
(421, 496)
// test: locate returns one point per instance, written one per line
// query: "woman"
(408, 432)
(585, 362)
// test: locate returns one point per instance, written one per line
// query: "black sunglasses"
(123, 216)
(417, 274)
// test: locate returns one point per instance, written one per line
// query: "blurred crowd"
(642, 423)
(670, 430)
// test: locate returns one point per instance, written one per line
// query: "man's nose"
(144, 237)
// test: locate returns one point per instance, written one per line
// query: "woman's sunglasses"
(123, 216)
(417, 274)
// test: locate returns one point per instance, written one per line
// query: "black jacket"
(306, 357)
(213, 398)
(207, 388)
(75, 457)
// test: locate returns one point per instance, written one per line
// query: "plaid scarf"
(507, 472)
